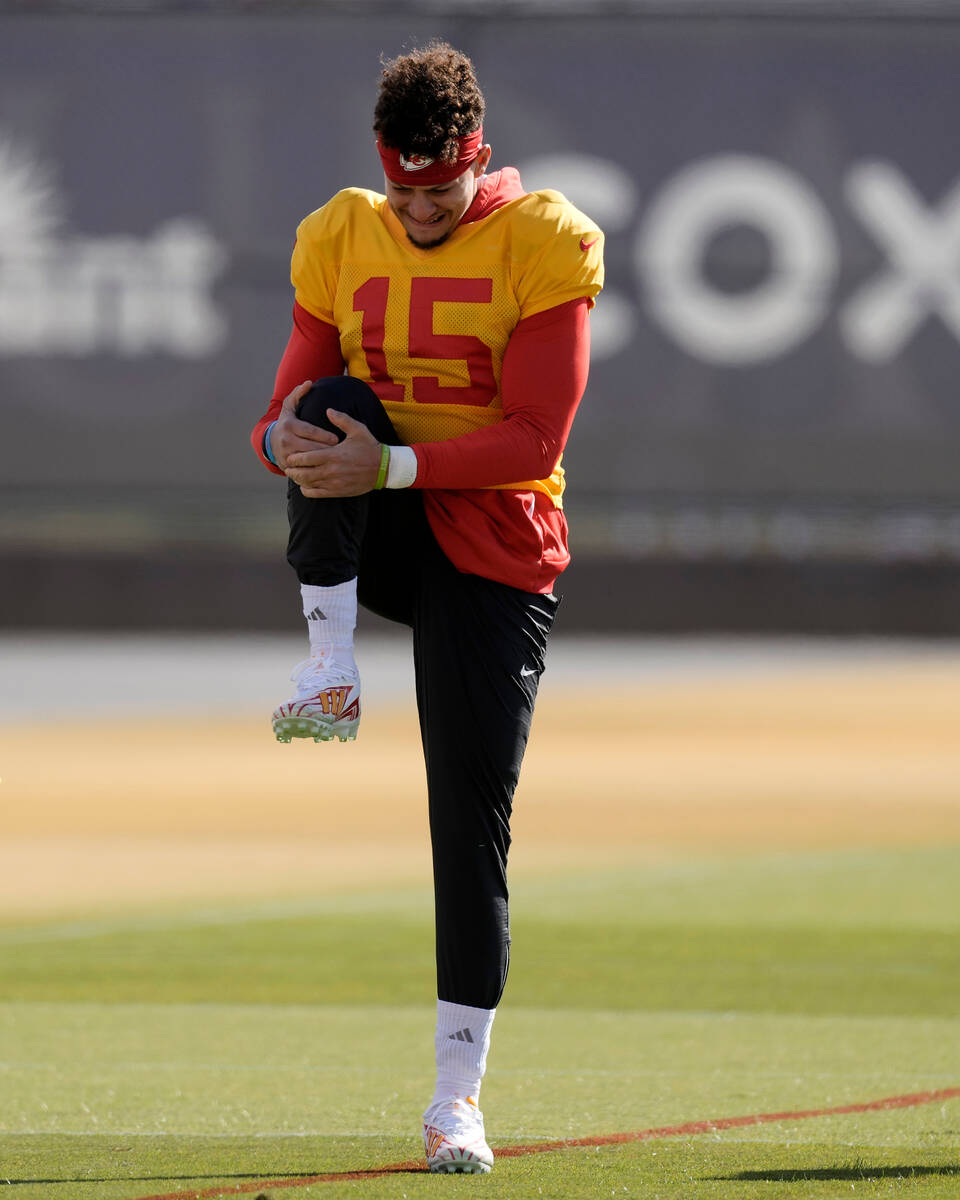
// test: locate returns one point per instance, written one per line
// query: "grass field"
(735, 915)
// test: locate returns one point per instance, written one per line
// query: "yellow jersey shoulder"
(556, 253)
(547, 214)
(327, 223)
(322, 241)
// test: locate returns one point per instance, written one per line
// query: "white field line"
(500, 1137)
(191, 674)
(909, 1080)
(194, 1135)
(197, 918)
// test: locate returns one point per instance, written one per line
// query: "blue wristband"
(268, 453)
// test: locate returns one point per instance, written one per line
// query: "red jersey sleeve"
(313, 352)
(543, 379)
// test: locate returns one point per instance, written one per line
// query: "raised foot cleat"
(326, 706)
(454, 1140)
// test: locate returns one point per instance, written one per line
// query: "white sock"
(331, 614)
(462, 1041)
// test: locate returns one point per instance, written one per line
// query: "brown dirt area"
(118, 813)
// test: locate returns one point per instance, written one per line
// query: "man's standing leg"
(479, 648)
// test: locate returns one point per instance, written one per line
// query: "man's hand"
(347, 468)
(290, 435)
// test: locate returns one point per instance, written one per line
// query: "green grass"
(373, 959)
(155, 1053)
(678, 1171)
(857, 934)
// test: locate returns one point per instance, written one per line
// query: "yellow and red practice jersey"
(427, 329)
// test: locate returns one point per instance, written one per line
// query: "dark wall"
(775, 352)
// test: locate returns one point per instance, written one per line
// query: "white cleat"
(326, 706)
(454, 1139)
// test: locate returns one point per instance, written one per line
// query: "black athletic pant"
(478, 652)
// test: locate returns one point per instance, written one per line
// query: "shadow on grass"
(856, 1172)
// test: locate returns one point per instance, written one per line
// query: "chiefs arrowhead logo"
(416, 162)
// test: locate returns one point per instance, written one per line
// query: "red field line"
(606, 1139)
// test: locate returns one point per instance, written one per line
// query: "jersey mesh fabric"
(428, 328)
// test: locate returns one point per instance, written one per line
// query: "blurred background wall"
(769, 440)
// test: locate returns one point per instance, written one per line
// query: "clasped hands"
(315, 460)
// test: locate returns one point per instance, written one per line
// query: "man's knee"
(345, 394)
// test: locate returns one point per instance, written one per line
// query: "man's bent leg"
(325, 546)
(326, 535)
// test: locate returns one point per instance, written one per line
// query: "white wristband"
(402, 470)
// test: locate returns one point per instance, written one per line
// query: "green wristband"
(384, 464)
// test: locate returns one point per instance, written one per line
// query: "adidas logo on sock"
(462, 1035)
(317, 615)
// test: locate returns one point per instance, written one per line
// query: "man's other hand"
(347, 468)
(290, 435)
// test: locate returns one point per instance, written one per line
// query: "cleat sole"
(285, 729)
(460, 1169)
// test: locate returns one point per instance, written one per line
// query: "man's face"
(430, 214)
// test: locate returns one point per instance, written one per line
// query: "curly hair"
(428, 98)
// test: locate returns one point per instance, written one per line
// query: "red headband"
(419, 170)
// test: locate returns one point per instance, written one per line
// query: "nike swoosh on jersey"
(584, 245)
